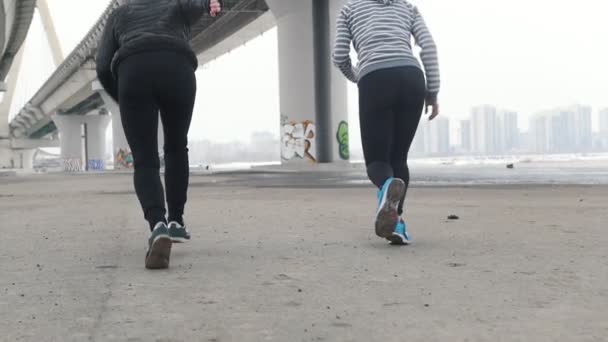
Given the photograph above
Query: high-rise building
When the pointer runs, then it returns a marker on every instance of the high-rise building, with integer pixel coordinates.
(559, 137)
(604, 122)
(538, 134)
(562, 130)
(582, 134)
(418, 148)
(603, 132)
(465, 135)
(437, 136)
(443, 132)
(484, 138)
(508, 131)
(549, 132)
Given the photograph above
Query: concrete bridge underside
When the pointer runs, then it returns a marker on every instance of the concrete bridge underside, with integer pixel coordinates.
(314, 124)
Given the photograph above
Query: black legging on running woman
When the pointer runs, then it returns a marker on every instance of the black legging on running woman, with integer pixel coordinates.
(150, 83)
(145, 62)
(390, 107)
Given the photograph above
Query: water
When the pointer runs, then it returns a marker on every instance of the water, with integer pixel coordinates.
(585, 169)
(532, 169)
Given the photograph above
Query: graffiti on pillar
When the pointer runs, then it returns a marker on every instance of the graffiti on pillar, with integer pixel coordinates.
(72, 165)
(123, 159)
(343, 143)
(298, 140)
(96, 165)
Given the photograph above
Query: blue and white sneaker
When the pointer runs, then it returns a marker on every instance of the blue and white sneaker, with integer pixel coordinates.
(387, 215)
(400, 236)
(159, 248)
(178, 233)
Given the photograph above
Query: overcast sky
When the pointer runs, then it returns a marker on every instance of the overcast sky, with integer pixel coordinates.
(524, 55)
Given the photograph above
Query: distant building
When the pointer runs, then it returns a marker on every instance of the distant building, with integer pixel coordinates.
(484, 139)
(465, 135)
(508, 132)
(538, 134)
(604, 121)
(563, 130)
(437, 136)
(432, 138)
(603, 131)
(417, 148)
(582, 134)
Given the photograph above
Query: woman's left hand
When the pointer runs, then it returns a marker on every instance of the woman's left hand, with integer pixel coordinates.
(214, 8)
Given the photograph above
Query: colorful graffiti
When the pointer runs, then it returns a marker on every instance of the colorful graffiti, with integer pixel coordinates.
(96, 165)
(72, 165)
(298, 140)
(343, 143)
(123, 160)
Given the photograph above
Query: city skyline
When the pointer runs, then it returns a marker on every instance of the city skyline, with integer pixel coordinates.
(493, 131)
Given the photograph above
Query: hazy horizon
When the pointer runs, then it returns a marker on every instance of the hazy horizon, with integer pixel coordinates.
(525, 56)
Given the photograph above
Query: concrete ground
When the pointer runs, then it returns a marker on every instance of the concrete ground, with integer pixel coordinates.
(292, 257)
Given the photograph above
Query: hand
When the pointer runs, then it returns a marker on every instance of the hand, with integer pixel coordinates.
(214, 8)
(434, 111)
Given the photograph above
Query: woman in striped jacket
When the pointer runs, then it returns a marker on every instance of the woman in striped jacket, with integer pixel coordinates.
(392, 94)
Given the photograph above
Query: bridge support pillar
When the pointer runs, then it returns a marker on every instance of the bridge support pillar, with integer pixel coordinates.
(96, 126)
(70, 137)
(313, 94)
(24, 158)
(123, 159)
(6, 154)
(82, 141)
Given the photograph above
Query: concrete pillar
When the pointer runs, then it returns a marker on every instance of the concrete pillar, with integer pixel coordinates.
(313, 103)
(6, 155)
(338, 94)
(24, 159)
(96, 141)
(70, 135)
(123, 158)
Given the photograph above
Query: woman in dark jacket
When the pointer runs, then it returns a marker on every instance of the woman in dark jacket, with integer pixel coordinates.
(145, 62)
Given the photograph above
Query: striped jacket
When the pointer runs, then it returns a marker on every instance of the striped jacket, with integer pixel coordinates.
(381, 32)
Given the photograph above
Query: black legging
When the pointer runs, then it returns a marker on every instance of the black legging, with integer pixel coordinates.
(390, 106)
(150, 83)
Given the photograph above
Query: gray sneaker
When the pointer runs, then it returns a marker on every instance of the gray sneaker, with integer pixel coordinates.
(159, 248)
(178, 233)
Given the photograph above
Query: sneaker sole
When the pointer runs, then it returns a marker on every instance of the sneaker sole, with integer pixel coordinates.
(398, 240)
(387, 216)
(159, 254)
(179, 240)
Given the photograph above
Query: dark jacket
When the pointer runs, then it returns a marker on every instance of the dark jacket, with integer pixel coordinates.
(146, 25)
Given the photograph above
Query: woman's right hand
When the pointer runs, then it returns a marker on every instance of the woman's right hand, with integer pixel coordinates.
(434, 110)
(214, 8)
